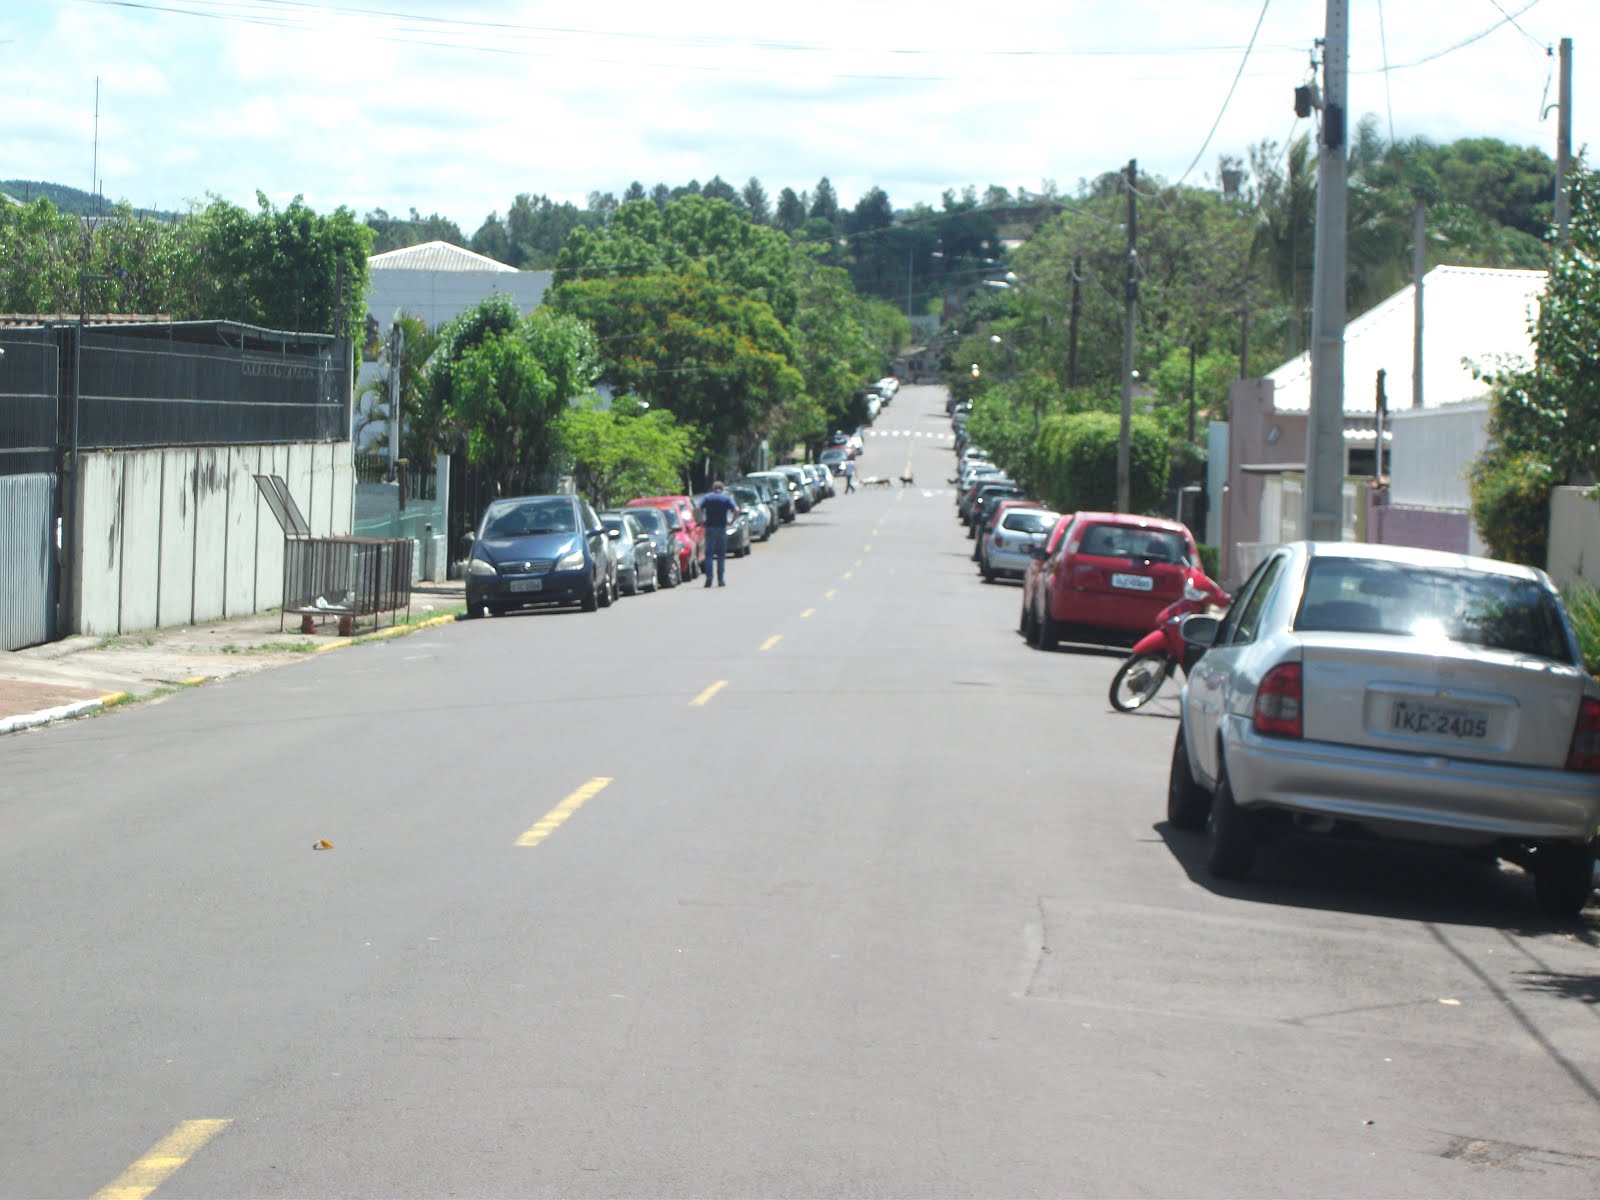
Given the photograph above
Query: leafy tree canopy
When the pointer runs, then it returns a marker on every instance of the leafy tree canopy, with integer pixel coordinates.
(623, 449)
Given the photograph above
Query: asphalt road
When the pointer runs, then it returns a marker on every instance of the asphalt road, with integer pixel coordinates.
(826, 886)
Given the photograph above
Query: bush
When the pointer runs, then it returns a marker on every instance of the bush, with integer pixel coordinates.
(1511, 505)
(1583, 603)
(1077, 460)
(1210, 560)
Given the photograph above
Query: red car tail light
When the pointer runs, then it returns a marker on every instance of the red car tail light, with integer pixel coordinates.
(1277, 710)
(1585, 752)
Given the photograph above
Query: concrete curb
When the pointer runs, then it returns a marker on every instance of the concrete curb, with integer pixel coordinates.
(46, 716)
(84, 708)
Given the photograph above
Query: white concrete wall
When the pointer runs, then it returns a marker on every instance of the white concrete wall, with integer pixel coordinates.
(1574, 551)
(182, 536)
(1431, 453)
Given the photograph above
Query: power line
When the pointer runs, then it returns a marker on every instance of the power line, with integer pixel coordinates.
(1226, 100)
(1509, 18)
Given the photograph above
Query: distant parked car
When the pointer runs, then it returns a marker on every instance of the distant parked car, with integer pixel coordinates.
(685, 523)
(534, 550)
(787, 491)
(1109, 576)
(1008, 543)
(759, 513)
(834, 458)
(635, 552)
(666, 541)
(1402, 693)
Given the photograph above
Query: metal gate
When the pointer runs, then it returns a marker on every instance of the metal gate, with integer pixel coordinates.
(29, 414)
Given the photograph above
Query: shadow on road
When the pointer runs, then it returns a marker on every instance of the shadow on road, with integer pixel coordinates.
(1380, 879)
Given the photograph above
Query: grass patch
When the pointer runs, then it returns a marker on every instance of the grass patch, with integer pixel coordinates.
(306, 647)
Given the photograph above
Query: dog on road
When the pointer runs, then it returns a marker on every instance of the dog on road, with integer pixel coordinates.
(878, 481)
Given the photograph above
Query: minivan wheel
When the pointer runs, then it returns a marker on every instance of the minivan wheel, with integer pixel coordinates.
(1563, 877)
(1231, 845)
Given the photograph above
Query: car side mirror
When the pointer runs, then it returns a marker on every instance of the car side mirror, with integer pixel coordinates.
(468, 540)
(1199, 630)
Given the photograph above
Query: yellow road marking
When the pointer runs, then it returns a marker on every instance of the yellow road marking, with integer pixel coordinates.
(700, 700)
(830, 593)
(161, 1160)
(769, 644)
(846, 575)
(552, 820)
(867, 549)
(858, 562)
(807, 613)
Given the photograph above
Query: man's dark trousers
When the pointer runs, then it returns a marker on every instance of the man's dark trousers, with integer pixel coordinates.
(716, 551)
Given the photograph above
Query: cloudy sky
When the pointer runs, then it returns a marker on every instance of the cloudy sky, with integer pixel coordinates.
(456, 107)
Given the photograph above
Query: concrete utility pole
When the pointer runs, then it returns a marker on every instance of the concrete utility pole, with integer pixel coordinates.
(1132, 303)
(1563, 212)
(397, 341)
(1419, 232)
(1325, 451)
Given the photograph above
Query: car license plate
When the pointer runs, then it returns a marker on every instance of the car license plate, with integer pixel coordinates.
(527, 585)
(1464, 724)
(1133, 583)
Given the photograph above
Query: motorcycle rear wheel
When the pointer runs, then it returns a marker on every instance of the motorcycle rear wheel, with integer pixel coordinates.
(1138, 680)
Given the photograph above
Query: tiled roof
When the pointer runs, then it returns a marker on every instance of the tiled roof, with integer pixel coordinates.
(435, 256)
(1476, 314)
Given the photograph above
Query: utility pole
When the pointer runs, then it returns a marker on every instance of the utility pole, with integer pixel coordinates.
(1325, 451)
(1563, 212)
(910, 263)
(1132, 302)
(1419, 231)
(1072, 324)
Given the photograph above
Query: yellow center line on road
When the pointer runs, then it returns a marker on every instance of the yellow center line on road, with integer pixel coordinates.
(700, 700)
(830, 593)
(807, 613)
(552, 820)
(161, 1160)
(858, 562)
(846, 575)
(867, 549)
(768, 644)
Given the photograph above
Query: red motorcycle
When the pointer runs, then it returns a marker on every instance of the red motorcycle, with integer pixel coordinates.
(1160, 652)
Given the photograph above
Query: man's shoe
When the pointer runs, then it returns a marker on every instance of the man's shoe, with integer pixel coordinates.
(708, 581)
(722, 583)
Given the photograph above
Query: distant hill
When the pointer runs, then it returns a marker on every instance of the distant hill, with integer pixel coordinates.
(70, 199)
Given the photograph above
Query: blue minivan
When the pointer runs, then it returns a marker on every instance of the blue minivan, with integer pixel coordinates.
(534, 550)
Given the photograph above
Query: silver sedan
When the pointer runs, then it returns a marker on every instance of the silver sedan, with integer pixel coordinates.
(1409, 694)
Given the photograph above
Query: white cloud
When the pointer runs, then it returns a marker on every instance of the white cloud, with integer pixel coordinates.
(457, 110)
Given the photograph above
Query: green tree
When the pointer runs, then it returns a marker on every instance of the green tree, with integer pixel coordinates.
(1078, 462)
(1549, 411)
(395, 233)
(791, 211)
(623, 449)
(756, 202)
(498, 385)
(417, 344)
(707, 351)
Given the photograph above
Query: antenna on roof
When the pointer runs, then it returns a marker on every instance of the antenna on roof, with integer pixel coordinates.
(94, 163)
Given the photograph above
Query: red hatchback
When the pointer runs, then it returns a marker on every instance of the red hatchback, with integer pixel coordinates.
(691, 538)
(1105, 573)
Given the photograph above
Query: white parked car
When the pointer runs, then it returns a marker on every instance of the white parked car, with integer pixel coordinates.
(1409, 694)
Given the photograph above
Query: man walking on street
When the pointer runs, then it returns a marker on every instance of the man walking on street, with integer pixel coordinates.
(717, 511)
(849, 475)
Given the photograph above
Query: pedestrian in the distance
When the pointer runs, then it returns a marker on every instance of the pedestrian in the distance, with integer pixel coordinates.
(717, 511)
(849, 475)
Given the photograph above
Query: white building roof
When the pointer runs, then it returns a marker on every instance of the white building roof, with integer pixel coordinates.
(1470, 315)
(435, 256)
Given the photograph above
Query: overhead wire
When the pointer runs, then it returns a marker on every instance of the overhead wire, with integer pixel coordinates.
(1228, 99)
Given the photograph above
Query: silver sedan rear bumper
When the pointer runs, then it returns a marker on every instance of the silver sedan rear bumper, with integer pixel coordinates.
(1429, 798)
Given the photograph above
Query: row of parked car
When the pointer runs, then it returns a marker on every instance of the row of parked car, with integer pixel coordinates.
(533, 551)
(1350, 689)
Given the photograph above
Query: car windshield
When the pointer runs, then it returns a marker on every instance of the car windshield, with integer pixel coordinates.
(1479, 608)
(650, 519)
(745, 495)
(528, 518)
(1028, 521)
(1123, 541)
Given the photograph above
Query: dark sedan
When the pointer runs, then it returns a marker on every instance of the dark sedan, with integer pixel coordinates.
(539, 550)
(669, 569)
(635, 552)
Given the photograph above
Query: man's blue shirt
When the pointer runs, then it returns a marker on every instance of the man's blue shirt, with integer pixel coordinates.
(719, 509)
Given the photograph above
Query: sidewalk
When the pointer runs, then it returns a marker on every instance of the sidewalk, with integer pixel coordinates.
(84, 674)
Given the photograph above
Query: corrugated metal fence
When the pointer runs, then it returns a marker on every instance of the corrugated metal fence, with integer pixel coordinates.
(27, 560)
